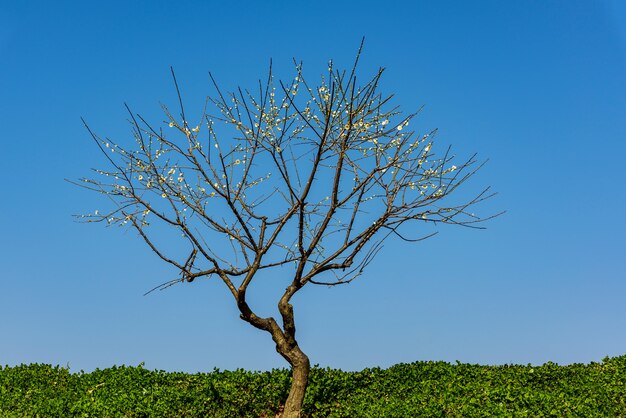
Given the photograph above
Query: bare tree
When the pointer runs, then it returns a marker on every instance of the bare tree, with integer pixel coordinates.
(311, 177)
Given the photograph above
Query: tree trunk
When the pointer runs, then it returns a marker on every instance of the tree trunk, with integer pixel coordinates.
(286, 346)
(300, 367)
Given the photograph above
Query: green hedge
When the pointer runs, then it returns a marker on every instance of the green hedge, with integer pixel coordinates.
(428, 389)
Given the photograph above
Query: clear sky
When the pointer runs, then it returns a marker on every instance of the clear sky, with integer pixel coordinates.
(538, 87)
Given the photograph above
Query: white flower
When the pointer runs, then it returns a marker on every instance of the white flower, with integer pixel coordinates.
(385, 122)
(399, 127)
(163, 195)
(171, 124)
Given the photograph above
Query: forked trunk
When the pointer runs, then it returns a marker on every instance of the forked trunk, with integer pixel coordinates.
(286, 346)
(300, 367)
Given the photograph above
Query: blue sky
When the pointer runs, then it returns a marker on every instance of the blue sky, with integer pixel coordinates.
(538, 87)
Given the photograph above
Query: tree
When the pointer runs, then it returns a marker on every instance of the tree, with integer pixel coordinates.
(308, 178)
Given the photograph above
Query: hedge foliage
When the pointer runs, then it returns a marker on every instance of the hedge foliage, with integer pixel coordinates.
(422, 389)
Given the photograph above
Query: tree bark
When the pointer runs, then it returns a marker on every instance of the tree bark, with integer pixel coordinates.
(286, 346)
(300, 368)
